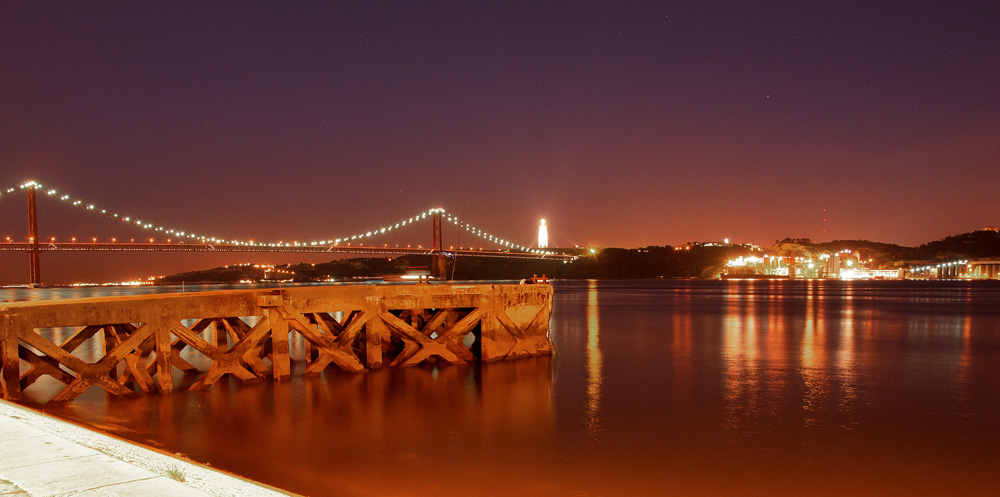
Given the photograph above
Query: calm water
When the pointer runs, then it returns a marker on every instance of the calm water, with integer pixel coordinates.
(658, 387)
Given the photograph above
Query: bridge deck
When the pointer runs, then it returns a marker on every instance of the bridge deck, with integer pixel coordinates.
(283, 248)
(134, 343)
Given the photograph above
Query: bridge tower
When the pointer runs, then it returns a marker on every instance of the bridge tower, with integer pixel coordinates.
(439, 262)
(34, 274)
(436, 242)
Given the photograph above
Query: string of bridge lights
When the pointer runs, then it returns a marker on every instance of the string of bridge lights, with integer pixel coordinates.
(492, 238)
(944, 265)
(186, 235)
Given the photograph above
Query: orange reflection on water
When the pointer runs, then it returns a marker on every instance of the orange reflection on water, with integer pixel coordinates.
(743, 384)
(772, 357)
(774, 337)
(684, 366)
(595, 374)
(845, 365)
(386, 432)
(964, 376)
(813, 360)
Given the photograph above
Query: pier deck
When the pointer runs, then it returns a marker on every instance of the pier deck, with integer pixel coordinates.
(140, 340)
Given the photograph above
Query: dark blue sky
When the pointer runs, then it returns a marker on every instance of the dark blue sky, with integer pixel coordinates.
(622, 123)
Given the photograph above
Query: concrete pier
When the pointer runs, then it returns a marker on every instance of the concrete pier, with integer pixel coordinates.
(45, 456)
(141, 340)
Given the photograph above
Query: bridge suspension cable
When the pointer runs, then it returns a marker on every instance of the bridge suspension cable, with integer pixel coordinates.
(362, 236)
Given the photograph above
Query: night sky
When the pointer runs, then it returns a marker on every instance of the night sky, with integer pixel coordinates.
(622, 123)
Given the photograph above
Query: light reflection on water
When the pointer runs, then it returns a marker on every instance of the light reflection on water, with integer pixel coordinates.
(684, 387)
(594, 372)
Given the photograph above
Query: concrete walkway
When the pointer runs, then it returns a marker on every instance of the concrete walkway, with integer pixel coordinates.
(44, 456)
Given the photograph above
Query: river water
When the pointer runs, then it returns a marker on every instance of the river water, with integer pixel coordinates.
(658, 387)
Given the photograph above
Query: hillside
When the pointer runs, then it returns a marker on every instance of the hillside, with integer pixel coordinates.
(974, 245)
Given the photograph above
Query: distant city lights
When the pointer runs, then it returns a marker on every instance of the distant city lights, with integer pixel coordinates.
(848, 265)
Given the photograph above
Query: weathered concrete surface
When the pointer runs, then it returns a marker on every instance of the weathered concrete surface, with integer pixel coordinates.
(245, 333)
(44, 456)
(8, 488)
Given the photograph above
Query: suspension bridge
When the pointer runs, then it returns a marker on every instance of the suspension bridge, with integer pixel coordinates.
(145, 236)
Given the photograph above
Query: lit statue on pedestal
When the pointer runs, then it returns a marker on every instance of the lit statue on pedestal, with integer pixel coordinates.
(543, 235)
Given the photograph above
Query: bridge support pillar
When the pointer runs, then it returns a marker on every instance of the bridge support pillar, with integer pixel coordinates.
(439, 267)
(34, 271)
(436, 240)
(439, 263)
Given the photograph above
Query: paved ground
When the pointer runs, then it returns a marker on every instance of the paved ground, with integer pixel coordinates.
(44, 456)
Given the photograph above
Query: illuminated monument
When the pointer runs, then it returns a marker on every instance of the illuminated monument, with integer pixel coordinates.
(543, 235)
